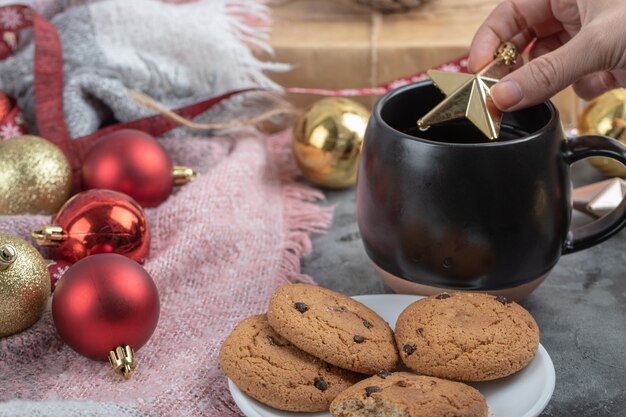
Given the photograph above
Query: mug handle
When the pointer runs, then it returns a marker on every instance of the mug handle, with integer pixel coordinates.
(599, 230)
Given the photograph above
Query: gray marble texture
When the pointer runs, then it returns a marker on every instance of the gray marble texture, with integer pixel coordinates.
(580, 309)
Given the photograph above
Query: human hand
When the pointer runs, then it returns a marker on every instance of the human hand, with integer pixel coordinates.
(580, 42)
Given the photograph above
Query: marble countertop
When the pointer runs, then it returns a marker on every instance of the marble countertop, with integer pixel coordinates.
(580, 309)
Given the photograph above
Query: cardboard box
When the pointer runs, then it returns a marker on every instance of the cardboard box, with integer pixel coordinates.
(337, 44)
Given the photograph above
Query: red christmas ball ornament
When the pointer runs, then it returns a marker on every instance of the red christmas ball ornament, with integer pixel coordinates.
(5, 105)
(57, 268)
(94, 222)
(106, 307)
(134, 163)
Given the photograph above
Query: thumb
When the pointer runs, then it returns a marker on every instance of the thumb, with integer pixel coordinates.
(546, 75)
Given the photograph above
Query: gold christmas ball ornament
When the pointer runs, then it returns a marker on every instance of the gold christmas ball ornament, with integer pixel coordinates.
(35, 177)
(24, 285)
(606, 115)
(328, 139)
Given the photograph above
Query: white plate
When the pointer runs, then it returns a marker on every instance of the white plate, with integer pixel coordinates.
(524, 394)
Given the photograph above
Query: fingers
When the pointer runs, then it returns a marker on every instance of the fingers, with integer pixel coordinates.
(593, 85)
(548, 44)
(509, 19)
(545, 76)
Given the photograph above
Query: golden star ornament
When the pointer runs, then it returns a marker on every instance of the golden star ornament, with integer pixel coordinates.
(468, 95)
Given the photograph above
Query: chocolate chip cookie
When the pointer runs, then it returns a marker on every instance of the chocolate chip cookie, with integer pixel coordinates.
(466, 336)
(271, 370)
(403, 394)
(333, 327)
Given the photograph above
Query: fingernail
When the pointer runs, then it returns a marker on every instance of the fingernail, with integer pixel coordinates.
(506, 94)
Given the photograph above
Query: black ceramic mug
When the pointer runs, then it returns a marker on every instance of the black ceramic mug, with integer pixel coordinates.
(447, 209)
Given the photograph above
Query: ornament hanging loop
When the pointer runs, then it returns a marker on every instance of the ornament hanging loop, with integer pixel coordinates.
(49, 235)
(183, 175)
(123, 361)
(8, 255)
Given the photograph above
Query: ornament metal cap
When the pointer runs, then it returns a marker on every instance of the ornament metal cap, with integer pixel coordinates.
(123, 361)
(507, 52)
(49, 235)
(8, 255)
(183, 175)
(469, 95)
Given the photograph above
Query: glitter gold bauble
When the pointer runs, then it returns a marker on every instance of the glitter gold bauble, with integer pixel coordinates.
(606, 115)
(328, 139)
(35, 177)
(24, 285)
